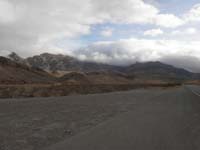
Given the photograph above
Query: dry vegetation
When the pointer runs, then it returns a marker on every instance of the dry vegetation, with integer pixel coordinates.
(194, 82)
(38, 90)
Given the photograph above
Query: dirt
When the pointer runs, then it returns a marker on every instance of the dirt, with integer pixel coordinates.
(66, 89)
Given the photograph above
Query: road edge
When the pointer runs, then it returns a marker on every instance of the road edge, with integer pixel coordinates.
(192, 91)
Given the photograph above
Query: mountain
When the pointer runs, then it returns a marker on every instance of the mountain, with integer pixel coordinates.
(158, 70)
(60, 65)
(50, 62)
(98, 77)
(16, 58)
(16, 73)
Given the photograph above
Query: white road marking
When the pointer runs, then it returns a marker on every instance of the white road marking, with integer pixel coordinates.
(194, 92)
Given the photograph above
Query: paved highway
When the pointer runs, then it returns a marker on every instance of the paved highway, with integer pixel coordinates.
(169, 121)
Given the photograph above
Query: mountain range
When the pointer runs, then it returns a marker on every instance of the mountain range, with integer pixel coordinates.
(49, 68)
(61, 65)
(51, 62)
(59, 75)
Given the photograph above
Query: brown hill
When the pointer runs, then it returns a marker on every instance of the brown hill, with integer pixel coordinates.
(97, 78)
(108, 77)
(160, 71)
(15, 73)
(75, 78)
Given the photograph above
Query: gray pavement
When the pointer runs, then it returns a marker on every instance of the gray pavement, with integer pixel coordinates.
(169, 121)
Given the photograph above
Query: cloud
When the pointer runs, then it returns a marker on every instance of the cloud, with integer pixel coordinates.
(107, 32)
(185, 32)
(131, 11)
(135, 11)
(4, 53)
(7, 12)
(34, 29)
(193, 15)
(191, 31)
(128, 51)
(153, 32)
(31, 27)
(168, 21)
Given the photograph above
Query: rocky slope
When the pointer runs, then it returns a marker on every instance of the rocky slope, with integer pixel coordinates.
(16, 73)
(52, 62)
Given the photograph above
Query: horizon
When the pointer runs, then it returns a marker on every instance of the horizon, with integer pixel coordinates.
(92, 61)
(114, 32)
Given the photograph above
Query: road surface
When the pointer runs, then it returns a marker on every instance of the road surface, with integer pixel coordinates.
(169, 121)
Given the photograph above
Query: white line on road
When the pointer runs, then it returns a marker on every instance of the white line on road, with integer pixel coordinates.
(193, 91)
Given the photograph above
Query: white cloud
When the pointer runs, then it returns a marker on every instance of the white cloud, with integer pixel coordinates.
(4, 53)
(184, 32)
(35, 29)
(191, 31)
(135, 11)
(130, 11)
(153, 32)
(7, 12)
(107, 32)
(129, 51)
(193, 14)
(176, 32)
(29, 27)
(168, 20)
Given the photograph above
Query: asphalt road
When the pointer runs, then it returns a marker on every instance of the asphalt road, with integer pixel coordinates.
(35, 123)
(169, 121)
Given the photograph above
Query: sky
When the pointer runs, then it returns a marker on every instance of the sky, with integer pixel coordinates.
(108, 31)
